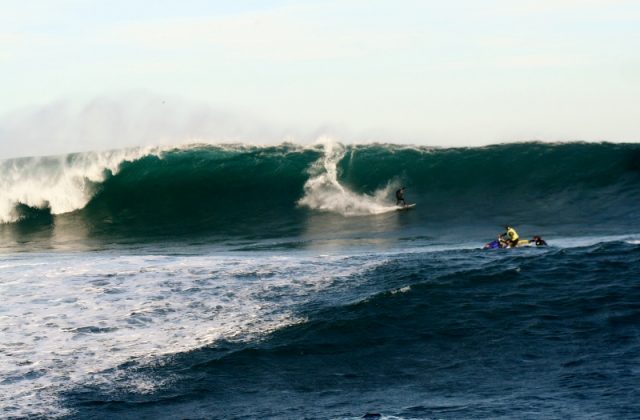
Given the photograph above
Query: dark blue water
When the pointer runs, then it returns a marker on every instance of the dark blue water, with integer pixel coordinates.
(453, 334)
(285, 311)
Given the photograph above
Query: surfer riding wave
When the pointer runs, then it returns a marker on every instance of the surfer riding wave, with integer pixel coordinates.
(400, 197)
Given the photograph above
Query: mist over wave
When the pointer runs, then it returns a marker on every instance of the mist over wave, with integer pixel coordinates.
(129, 120)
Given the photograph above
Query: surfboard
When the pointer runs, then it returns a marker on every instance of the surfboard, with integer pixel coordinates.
(406, 207)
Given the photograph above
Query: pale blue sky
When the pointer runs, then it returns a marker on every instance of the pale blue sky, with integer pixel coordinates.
(461, 72)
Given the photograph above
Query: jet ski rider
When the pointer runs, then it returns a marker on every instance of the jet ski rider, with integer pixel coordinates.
(511, 236)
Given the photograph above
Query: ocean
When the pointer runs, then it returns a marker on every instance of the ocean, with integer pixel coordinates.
(280, 282)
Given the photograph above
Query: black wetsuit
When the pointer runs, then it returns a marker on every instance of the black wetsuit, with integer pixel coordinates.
(400, 197)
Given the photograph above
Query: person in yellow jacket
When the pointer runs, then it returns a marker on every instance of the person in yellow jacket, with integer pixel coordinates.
(511, 236)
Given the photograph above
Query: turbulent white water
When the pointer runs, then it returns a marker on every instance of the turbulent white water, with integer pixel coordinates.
(60, 183)
(68, 320)
(324, 192)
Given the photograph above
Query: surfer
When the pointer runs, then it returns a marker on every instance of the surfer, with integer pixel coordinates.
(511, 236)
(538, 241)
(400, 197)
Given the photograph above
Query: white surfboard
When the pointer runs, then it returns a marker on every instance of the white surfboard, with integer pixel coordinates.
(406, 206)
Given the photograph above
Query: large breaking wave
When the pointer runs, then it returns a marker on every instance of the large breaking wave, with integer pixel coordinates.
(209, 185)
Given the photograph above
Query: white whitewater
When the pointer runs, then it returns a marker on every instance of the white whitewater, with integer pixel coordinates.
(70, 320)
(61, 183)
(324, 192)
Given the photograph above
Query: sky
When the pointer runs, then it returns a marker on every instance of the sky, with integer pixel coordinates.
(86, 75)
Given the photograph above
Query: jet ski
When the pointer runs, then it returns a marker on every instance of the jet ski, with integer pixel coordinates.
(536, 241)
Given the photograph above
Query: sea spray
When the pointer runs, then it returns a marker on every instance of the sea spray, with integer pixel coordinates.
(324, 192)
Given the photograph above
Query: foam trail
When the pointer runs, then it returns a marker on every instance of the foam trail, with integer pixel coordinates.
(59, 183)
(324, 192)
(72, 320)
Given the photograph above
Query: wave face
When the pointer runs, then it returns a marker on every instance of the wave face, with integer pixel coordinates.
(227, 188)
(523, 181)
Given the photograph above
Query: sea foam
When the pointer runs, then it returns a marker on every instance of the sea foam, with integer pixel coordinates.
(72, 320)
(61, 184)
(323, 191)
